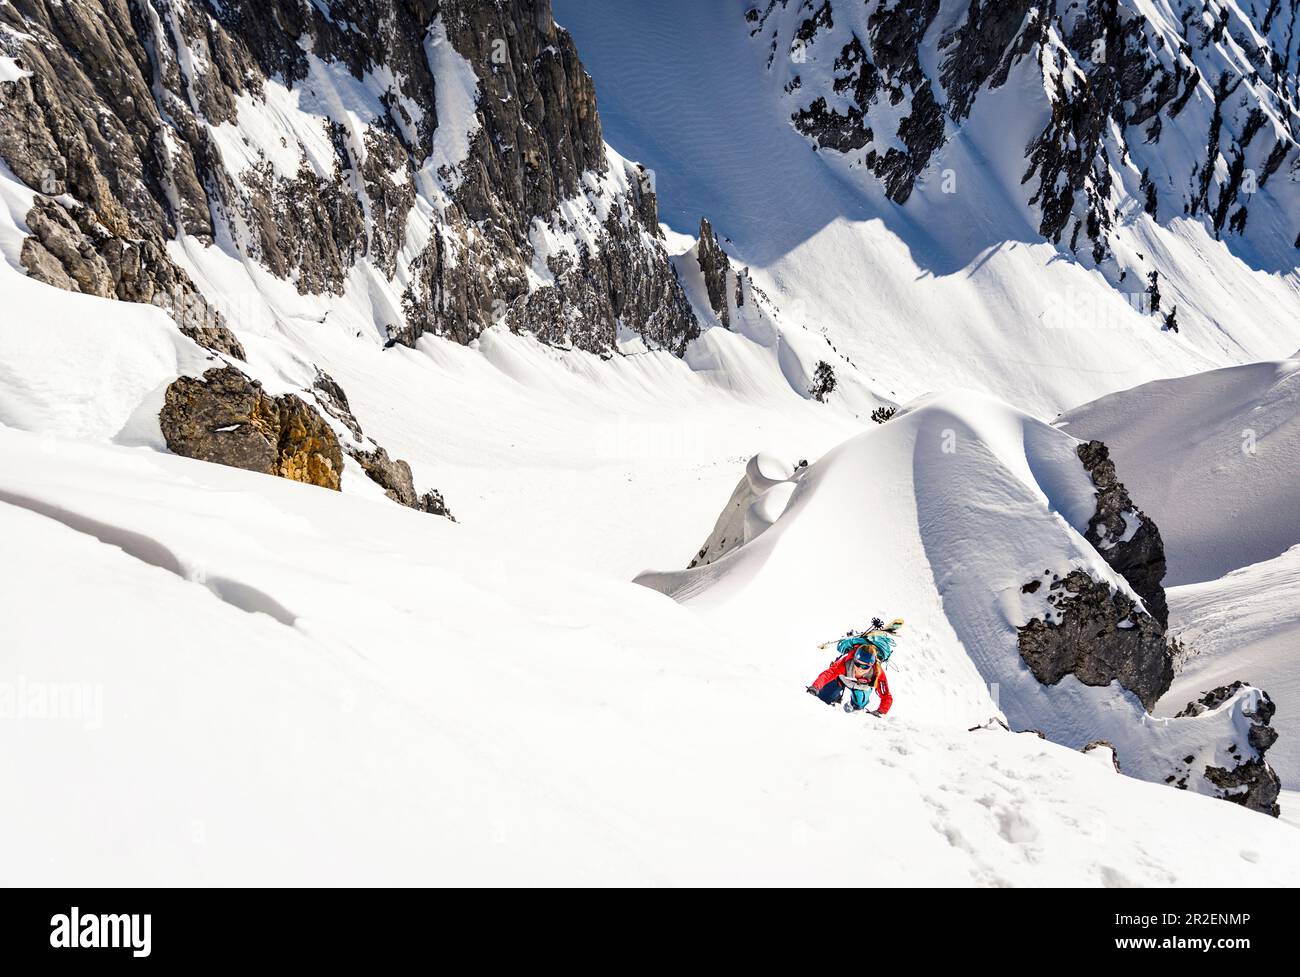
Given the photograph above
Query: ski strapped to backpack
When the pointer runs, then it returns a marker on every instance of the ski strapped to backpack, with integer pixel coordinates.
(878, 627)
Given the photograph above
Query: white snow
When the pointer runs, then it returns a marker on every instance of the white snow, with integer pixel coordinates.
(84, 367)
(239, 673)
(1246, 626)
(947, 510)
(1212, 458)
(9, 70)
(456, 94)
(951, 290)
(320, 673)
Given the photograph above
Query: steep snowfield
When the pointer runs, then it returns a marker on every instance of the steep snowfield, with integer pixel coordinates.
(550, 450)
(1245, 625)
(219, 677)
(942, 515)
(263, 682)
(1213, 458)
(950, 290)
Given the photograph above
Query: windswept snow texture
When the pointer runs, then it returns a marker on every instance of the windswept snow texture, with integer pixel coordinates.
(1245, 626)
(948, 289)
(1213, 458)
(942, 515)
(200, 741)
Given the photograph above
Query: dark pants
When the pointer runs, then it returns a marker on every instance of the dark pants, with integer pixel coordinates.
(832, 692)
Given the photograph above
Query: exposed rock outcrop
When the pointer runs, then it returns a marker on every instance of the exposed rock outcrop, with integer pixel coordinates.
(1108, 747)
(1126, 538)
(392, 475)
(395, 478)
(124, 124)
(714, 266)
(71, 249)
(1251, 783)
(1098, 635)
(227, 418)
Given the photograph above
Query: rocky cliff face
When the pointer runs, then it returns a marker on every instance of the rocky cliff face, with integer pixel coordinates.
(451, 150)
(1126, 538)
(1097, 633)
(714, 265)
(1184, 109)
(1093, 631)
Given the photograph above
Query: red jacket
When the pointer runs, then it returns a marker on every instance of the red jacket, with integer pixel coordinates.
(841, 665)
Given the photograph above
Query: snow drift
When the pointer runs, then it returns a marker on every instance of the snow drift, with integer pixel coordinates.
(969, 516)
(276, 672)
(1213, 457)
(1245, 625)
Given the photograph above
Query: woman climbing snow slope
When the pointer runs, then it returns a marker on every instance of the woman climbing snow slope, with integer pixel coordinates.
(859, 669)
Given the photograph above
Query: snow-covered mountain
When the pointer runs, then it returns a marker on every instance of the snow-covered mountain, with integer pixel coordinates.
(1172, 108)
(354, 149)
(964, 275)
(270, 268)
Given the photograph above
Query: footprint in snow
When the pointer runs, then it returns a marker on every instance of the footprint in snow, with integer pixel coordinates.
(1015, 827)
(1114, 879)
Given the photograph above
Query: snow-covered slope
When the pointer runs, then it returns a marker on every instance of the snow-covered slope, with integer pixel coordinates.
(240, 672)
(1078, 116)
(1213, 457)
(260, 672)
(949, 289)
(552, 450)
(1245, 625)
(967, 516)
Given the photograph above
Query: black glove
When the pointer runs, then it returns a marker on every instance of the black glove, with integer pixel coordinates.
(810, 690)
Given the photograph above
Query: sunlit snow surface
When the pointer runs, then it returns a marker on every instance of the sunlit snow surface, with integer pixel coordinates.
(950, 290)
(284, 684)
(297, 686)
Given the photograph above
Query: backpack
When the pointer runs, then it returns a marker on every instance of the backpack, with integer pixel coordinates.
(882, 642)
(884, 645)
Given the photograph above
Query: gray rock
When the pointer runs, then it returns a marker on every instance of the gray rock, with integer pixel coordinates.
(1139, 559)
(714, 266)
(116, 115)
(1252, 782)
(1099, 636)
(393, 475)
